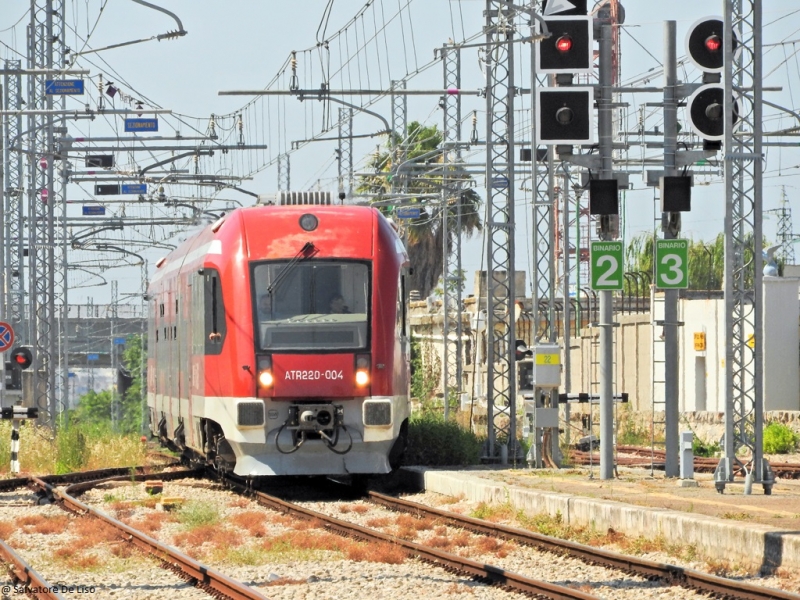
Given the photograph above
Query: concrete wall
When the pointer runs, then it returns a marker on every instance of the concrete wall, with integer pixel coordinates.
(781, 348)
(702, 372)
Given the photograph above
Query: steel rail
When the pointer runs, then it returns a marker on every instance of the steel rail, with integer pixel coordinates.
(672, 574)
(6, 485)
(200, 575)
(22, 573)
(484, 572)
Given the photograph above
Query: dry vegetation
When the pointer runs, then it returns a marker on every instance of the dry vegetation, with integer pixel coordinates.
(41, 454)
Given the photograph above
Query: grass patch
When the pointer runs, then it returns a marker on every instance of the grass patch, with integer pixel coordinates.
(197, 514)
(737, 516)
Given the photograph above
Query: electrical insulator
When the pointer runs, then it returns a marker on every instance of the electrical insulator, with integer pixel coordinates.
(240, 127)
(212, 128)
(293, 82)
(474, 136)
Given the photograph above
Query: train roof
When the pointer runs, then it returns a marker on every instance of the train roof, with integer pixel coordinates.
(265, 232)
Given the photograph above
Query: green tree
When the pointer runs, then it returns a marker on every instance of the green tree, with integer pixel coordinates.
(422, 146)
(133, 360)
(94, 408)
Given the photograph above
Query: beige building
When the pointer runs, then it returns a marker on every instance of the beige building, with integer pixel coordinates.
(638, 346)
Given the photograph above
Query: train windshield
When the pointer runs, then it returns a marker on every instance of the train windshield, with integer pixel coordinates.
(312, 305)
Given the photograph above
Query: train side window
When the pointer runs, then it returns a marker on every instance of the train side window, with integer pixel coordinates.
(214, 310)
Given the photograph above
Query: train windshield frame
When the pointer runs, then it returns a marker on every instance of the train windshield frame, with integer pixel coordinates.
(312, 305)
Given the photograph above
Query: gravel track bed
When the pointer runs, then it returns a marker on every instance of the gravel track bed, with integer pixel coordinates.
(75, 551)
(283, 557)
(510, 556)
(235, 542)
(783, 580)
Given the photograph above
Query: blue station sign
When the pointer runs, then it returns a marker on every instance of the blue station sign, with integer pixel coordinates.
(92, 357)
(91, 210)
(137, 125)
(134, 188)
(409, 212)
(63, 87)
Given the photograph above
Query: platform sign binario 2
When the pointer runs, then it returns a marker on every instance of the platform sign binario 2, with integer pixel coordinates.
(672, 264)
(606, 260)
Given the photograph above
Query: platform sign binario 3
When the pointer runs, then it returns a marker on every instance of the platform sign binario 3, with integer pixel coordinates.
(606, 260)
(672, 264)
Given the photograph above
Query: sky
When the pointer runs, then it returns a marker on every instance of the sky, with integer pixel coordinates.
(245, 45)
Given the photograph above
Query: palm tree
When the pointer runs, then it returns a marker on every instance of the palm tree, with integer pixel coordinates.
(423, 234)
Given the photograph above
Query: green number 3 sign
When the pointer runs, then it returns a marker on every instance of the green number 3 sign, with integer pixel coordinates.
(672, 264)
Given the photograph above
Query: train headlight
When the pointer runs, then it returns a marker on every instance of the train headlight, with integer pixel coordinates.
(265, 377)
(363, 363)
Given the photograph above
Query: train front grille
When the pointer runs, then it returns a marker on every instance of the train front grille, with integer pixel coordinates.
(250, 414)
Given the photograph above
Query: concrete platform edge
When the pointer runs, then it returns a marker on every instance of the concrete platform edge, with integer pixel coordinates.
(747, 544)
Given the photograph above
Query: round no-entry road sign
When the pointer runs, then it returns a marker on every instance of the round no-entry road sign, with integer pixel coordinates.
(6, 336)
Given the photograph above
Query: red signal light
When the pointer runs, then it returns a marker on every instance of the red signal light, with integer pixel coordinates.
(564, 44)
(713, 43)
(23, 357)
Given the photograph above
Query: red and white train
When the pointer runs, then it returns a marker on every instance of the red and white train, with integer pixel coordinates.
(278, 343)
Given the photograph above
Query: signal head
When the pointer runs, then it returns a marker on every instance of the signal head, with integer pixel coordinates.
(704, 44)
(564, 116)
(22, 357)
(706, 107)
(569, 47)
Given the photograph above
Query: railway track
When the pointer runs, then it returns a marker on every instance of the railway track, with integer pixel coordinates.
(702, 582)
(221, 586)
(23, 576)
(482, 572)
(635, 456)
(212, 581)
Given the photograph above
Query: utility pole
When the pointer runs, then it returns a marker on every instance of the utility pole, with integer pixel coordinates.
(45, 50)
(744, 393)
(13, 212)
(500, 144)
(608, 230)
(671, 226)
(451, 229)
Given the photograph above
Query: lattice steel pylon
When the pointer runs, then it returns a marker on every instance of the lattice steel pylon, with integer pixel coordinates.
(744, 400)
(500, 368)
(45, 47)
(13, 209)
(451, 229)
(284, 173)
(345, 152)
(397, 139)
(786, 236)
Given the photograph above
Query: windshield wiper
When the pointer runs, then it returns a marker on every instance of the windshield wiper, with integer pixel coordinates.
(307, 251)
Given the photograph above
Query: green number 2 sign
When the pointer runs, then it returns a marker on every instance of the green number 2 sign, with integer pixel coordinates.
(672, 264)
(606, 260)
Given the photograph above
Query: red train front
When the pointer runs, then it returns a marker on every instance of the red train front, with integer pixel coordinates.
(278, 343)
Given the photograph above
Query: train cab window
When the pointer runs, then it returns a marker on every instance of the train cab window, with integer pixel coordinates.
(213, 312)
(315, 304)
